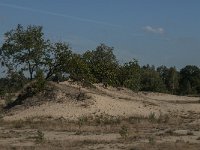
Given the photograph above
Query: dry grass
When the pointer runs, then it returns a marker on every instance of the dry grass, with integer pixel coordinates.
(102, 119)
(88, 133)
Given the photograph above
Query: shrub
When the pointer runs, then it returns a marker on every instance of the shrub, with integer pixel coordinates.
(8, 99)
(39, 137)
(152, 140)
(152, 117)
(40, 83)
(124, 132)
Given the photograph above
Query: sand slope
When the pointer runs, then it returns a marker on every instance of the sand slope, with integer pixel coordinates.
(111, 101)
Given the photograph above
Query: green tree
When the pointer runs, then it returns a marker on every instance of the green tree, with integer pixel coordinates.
(173, 80)
(23, 49)
(190, 80)
(103, 64)
(170, 77)
(57, 59)
(151, 80)
(130, 75)
(79, 69)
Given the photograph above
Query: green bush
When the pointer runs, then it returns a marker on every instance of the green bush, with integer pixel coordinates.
(40, 83)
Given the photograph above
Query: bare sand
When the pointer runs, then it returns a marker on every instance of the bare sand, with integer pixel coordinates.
(110, 101)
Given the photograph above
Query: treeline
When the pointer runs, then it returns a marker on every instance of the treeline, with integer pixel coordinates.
(26, 54)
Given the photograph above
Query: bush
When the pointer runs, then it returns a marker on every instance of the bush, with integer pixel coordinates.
(39, 137)
(8, 99)
(152, 117)
(124, 132)
(40, 83)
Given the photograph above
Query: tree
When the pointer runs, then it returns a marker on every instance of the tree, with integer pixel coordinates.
(151, 80)
(103, 64)
(163, 72)
(170, 77)
(57, 59)
(130, 75)
(23, 49)
(172, 80)
(190, 80)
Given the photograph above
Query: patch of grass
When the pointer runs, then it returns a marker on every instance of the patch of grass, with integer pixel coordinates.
(190, 133)
(107, 120)
(169, 131)
(135, 119)
(152, 140)
(18, 124)
(82, 96)
(40, 137)
(163, 118)
(82, 120)
(152, 117)
(123, 132)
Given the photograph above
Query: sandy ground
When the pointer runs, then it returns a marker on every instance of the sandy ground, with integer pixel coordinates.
(110, 101)
(150, 121)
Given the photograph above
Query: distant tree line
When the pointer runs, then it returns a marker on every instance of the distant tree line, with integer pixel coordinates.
(27, 54)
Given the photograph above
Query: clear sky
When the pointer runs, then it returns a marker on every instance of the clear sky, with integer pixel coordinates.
(157, 32)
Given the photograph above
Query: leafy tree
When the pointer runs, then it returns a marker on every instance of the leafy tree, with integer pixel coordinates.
(163, 72)
(190, 80)
(173, 80)
(170, 77)
(23, 49)
(130, 75)
(151, 80)
(79, 69)
(103, 64)
(58, 59)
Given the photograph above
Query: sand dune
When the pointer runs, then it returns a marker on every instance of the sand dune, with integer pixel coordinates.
(111, 101)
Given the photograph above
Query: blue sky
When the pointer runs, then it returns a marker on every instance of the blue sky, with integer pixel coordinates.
(158, 32)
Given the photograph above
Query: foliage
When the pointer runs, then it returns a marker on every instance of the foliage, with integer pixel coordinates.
(26, 53)
(8, 99)
(130, 75)
(102, 64)
(190, 80)
(12, 83)
(170, 77)
(58, 59)
(23, 49)
(79, 70)
(151, 81)
(40, 82)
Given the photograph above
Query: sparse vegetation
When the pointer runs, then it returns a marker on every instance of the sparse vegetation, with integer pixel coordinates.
(8, 99)
(124, 132)
(104, 119)
(152, 117)
(40, 137)
(18, 124)
(152, 140)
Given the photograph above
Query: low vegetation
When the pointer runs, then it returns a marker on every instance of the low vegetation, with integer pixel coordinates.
(47, 133)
